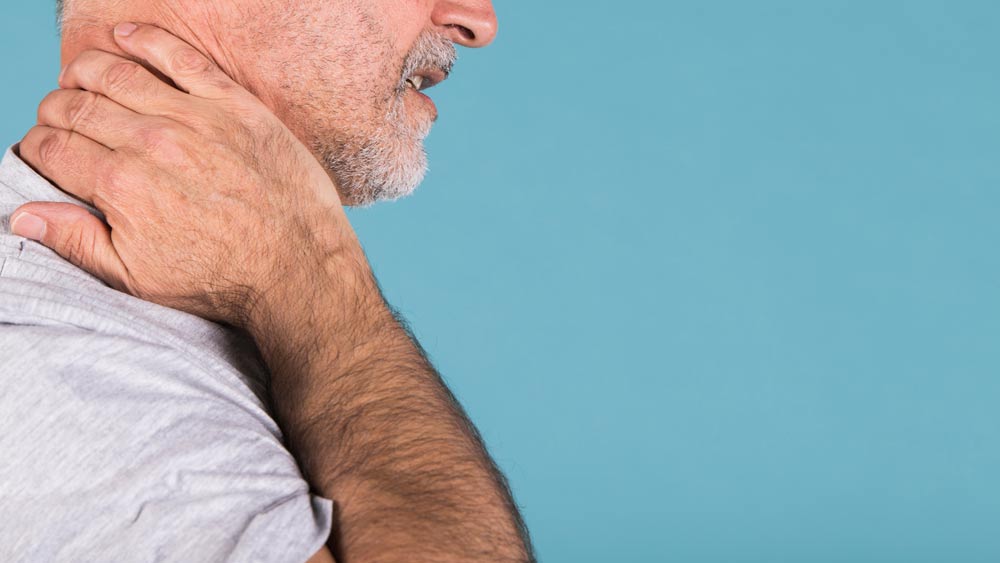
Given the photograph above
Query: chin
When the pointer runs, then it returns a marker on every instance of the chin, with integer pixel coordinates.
(377, 170)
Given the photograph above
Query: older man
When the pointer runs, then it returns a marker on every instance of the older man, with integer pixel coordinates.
(198, 362)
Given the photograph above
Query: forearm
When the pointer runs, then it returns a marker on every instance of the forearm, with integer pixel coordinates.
(376, 430)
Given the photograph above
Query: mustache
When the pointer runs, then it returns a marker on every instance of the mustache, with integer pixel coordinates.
(430, 51)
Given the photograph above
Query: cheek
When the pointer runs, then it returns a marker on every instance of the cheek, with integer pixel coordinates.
(402, 21)
(331, 71)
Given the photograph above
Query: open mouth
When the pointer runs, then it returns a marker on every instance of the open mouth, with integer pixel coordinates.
(426, 78)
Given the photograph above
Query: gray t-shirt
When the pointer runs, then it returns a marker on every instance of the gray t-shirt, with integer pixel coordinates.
(131, 431)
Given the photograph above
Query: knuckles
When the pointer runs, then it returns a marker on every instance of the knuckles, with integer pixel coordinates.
(68, 109)
(52, 145)
(120, 75)
(188, 61)
(80, 107)
(111, 179)
(165, 142)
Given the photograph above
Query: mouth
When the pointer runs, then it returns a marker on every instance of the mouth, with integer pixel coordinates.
(424, 79)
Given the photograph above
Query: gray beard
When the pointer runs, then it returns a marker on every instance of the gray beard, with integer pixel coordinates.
(386, 166)
(392, 162)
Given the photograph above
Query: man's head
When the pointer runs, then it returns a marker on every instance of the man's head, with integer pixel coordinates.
(339, 73)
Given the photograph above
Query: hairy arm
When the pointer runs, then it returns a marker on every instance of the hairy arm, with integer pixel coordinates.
(213, 207)
(375, 428)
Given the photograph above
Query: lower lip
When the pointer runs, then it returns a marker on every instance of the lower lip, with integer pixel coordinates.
(426, 100)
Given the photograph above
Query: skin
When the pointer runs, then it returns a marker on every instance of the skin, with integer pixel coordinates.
(329, 69)
(265, 246)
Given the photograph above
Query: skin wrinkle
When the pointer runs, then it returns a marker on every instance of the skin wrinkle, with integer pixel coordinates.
(332, 70)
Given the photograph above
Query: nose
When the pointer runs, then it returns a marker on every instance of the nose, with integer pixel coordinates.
(471, 23)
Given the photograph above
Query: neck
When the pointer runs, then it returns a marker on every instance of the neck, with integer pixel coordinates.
(90, 25)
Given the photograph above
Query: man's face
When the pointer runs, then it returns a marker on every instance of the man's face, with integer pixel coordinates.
(343, 75)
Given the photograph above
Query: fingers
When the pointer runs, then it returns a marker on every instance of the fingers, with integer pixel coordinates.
(192, 71)
(93, 116)
(68, 159)
(76, 235)
(124, 81)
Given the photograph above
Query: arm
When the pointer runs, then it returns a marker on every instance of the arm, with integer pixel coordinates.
(374, 427)
(322, 556)
(208, 179)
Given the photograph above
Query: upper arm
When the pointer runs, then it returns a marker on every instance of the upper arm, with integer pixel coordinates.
(115, 449)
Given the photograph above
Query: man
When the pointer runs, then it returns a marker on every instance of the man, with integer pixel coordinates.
(188, 318)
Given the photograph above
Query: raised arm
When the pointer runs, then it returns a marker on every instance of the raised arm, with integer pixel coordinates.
(209, 179)
(375, 428)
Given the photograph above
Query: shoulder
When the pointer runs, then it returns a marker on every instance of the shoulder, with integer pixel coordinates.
(127, 432)
(39, 288)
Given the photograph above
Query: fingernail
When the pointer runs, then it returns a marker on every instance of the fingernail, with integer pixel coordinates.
(125, 29)
(28, 226)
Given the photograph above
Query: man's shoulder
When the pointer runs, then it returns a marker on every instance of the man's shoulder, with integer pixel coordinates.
(131, 430)
(58, 319)
(124, 450)
(38, 287)
(120, 416)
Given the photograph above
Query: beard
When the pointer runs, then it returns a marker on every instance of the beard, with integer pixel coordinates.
(389, 162)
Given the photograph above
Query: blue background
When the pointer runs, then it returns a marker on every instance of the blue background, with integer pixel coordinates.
(718, 280)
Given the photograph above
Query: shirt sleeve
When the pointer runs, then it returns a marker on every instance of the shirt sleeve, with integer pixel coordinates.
(112, 449)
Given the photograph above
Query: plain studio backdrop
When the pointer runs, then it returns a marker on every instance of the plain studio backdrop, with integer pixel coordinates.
(718, 280)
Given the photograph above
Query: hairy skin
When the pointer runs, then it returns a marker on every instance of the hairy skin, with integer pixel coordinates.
(427, 467)
(264, 245)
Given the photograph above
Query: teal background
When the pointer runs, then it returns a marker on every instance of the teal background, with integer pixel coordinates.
(718, 280)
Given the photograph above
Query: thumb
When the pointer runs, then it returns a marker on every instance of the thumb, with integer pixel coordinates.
(76, 235)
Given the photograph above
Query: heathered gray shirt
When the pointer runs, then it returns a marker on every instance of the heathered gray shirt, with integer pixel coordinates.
(131, 431)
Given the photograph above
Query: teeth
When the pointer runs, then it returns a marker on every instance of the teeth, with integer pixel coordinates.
(416, 82)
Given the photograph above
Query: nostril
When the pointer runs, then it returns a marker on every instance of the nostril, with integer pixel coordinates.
(465, 32)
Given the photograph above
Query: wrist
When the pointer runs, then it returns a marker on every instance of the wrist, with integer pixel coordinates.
(316, 326)
(330, 293)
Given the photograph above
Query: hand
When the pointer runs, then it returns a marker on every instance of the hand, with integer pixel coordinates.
(209, 199)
